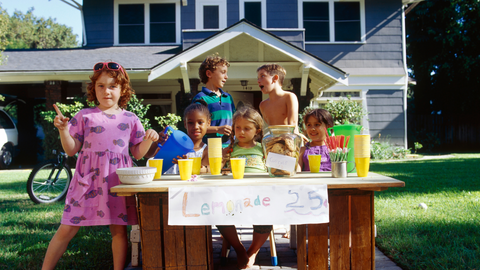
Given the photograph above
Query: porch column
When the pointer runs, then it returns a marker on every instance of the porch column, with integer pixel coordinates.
(182, 99)
(303, 101)
(55, 91)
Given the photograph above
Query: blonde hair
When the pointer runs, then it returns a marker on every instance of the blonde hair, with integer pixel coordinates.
(121, 78)
(210, 63)
(246, 112)
(274, 69)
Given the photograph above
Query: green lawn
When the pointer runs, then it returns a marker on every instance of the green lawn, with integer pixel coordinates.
(26, 230)
(445, 236)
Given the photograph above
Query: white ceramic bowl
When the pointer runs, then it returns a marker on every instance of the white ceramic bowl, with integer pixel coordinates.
(136, 175)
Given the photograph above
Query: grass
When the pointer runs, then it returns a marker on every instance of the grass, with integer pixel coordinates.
(446, 235)
(27, 229)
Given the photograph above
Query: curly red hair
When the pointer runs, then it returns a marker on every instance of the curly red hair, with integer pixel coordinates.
(121, 78)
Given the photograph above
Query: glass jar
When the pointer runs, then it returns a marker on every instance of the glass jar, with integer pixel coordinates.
(281, 140)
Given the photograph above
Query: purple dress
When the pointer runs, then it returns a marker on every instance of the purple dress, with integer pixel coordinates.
(105, 139)
(325, 165)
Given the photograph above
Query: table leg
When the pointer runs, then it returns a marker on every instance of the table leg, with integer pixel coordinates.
(363, 240)
(339, 231)
(302, 247)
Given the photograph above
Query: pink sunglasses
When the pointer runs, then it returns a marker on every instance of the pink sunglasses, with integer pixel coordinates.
(109, 65)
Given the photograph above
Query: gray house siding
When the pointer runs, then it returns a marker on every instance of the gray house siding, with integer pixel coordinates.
(386, 115)
(383, 46)
(282, 14)
(98, 22)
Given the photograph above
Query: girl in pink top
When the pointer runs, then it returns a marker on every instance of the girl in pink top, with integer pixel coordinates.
(102, 135)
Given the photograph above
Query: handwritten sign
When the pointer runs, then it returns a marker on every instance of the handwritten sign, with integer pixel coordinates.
(280, 162)
(247, 205)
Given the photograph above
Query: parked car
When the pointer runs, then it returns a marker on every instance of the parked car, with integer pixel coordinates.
(8, 139)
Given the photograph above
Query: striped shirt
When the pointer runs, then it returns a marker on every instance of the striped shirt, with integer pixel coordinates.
(221, 107)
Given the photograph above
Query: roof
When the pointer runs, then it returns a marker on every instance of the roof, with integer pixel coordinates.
(245, 45)
(80, 61)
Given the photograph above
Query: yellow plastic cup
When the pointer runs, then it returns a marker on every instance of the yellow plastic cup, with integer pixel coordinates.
(362, 146)
(185, 167)
(215, 165)
(197, 164)
(238, 167)
(314, 161)
(157, 163)
(363, 166)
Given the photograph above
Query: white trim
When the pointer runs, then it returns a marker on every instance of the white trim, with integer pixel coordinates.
(146, 5)
(404, 49)
(222, 16)
(331, 74)
(332, 21)
(263, 11)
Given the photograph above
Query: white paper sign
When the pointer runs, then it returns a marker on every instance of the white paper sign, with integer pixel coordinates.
(280, 162)
(248, 205)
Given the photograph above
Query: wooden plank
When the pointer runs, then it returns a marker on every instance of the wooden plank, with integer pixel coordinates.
(302, 247)
(362, 256)
(208, 235)
(339, 232)
(152, 248)
(195, 243)
(373, 180)
(173, 240)
(318, 246)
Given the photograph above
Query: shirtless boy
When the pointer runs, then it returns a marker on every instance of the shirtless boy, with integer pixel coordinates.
(281, 107)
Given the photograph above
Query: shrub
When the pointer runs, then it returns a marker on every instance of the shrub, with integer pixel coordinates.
(381, 149)
(346, 111)
(45, 119)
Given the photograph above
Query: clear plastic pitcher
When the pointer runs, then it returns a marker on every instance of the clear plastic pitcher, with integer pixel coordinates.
(177, 144)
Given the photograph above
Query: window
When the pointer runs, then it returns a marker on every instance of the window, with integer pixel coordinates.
(332, 20)
(211, 18)
(254, 11)
(210, 14)
(162, 23)
(148, 23)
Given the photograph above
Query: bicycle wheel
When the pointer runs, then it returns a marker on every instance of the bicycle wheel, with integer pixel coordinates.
(47, 184)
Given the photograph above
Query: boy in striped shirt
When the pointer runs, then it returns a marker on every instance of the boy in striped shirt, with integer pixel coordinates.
(213, 73)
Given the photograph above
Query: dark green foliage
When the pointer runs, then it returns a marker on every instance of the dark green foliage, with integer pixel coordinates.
(443, 53)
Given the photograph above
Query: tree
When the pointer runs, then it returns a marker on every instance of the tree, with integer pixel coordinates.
(3, 31)
(26, 31)
(443, 53)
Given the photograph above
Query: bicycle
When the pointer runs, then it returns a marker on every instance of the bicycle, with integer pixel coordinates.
(49, 181)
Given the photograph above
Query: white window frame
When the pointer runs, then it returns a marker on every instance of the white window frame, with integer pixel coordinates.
(222, 16)
(146, 5)
(263, 11)
(331, 13)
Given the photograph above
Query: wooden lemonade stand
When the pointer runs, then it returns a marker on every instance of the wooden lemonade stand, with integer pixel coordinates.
(348, 240)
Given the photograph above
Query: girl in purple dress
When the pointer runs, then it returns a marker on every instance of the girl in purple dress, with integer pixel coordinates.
(315, 122)
(102, 135)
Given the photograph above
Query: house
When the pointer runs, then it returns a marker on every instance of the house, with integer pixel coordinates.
(330, 49)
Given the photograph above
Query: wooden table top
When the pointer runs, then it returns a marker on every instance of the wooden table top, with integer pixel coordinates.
(373, 181)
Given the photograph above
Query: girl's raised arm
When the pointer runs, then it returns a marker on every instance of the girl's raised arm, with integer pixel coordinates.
(139, 150)
(70, 145)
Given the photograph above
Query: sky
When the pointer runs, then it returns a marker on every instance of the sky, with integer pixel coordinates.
(55, 9)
